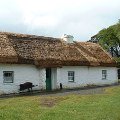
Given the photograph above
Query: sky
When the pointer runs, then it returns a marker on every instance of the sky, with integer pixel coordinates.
(53, 18)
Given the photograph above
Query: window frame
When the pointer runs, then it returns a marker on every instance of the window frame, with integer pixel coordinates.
(9, 77)
(104, 74)
(71, 76)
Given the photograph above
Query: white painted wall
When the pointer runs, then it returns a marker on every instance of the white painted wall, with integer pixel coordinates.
(22, 73)
(86, 76)
(42, 78)
(29, 73)
(54, 78)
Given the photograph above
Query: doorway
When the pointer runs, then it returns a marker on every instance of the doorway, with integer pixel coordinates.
(48, 79)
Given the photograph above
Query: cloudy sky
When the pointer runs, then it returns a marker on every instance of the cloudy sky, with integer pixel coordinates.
(80, 18)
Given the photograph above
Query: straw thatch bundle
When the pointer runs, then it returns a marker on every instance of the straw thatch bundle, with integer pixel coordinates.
(50, 52)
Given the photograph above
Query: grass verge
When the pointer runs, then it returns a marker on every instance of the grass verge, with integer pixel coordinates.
(104, 106)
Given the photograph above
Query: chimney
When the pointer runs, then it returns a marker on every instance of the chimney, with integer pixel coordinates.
(68, 38)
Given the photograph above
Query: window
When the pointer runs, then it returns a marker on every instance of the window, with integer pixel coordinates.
(104, 74)
(71, 76)
(8, 76)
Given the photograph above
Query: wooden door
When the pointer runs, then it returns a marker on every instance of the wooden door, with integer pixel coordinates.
(48, 79)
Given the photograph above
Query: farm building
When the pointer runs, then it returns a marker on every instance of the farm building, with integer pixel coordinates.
(48, 62)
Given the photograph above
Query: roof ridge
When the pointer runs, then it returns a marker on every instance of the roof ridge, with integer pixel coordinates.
(20, 35)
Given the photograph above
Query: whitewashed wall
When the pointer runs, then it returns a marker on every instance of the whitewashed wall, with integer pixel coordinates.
(29, 73)
(86, 76)
(22, 73)
(42, 78)
(54, 78)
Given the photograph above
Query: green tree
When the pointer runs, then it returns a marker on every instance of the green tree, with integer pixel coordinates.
(109, 39)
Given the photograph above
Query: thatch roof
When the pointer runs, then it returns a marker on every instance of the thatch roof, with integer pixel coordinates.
(50, 52)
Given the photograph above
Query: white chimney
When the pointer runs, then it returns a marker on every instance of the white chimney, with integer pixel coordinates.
(68, 38)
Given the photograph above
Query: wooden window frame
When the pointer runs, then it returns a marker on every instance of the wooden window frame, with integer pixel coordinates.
(104, 74)
(9, 75)
(71, 76)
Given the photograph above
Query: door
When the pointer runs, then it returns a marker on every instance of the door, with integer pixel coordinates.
(118, 73)
(48, 79)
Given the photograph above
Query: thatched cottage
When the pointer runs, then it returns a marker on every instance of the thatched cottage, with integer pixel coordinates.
(47, 62)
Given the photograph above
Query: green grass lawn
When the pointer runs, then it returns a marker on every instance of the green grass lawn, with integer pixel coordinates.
(104, 106)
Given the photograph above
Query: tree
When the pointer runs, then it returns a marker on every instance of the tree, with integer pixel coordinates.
(109, 39)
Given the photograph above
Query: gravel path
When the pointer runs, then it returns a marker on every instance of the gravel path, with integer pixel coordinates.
(86, 91)
(82, 92)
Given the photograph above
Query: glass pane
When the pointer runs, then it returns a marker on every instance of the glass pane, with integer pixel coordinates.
(71, 73)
